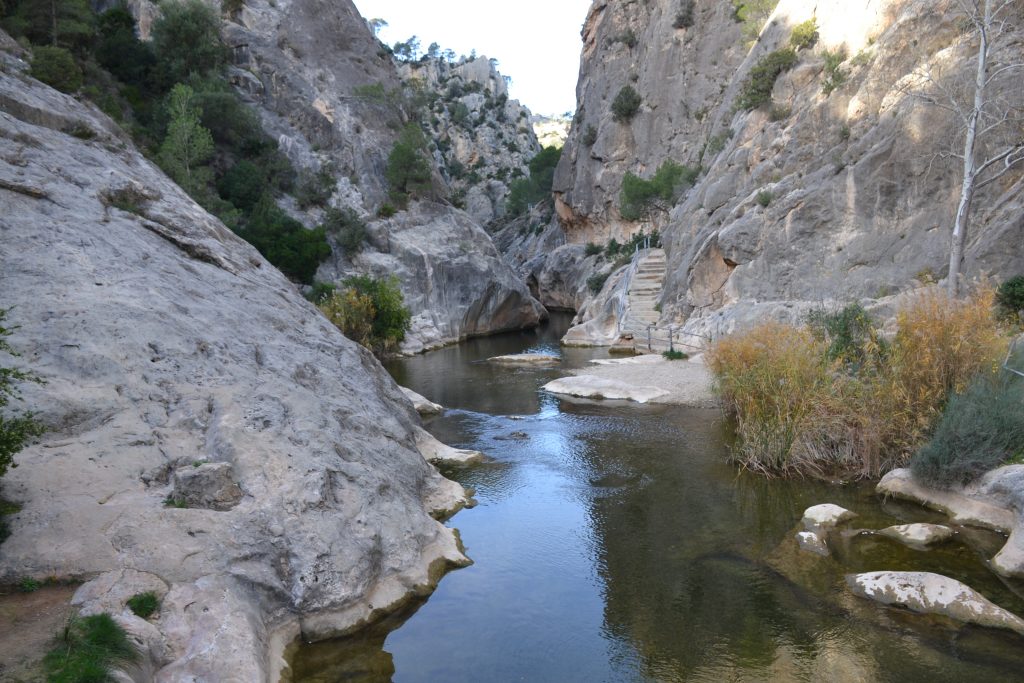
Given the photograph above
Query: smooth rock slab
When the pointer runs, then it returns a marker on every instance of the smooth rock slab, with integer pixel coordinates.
(423, 406)
(918, 536)
(930, 593)
(812, 543)
(823, 517)
(589, 386)
(436, 452)
(525, 359)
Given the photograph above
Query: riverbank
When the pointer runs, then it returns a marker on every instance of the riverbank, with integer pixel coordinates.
(645, 379)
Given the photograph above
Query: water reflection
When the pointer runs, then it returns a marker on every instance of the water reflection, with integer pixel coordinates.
(613, 542)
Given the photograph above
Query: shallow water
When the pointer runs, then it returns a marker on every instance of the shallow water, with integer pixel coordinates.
(614, 542)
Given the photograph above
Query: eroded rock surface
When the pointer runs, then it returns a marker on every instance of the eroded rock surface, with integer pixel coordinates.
(933, 594)
(423, 405)
(164, 341)
(590, 386)
(918, 536)
(825, 517)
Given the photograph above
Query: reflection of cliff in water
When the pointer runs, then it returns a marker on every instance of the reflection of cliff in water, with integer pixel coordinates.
(703, 578)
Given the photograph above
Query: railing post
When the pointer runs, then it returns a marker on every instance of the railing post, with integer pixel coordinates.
(649, 338)
(671, 333)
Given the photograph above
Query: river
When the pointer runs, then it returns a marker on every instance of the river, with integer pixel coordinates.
(614, 542)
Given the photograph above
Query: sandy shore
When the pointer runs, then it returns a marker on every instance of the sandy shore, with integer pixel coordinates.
(685, 382)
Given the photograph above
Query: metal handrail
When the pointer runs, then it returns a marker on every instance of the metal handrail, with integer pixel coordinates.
(1009, 354)
(623, 298)
(672, 331)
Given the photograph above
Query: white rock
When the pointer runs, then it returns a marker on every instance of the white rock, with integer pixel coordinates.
(933, 594)
(437, 452)
(918, 535)
(423, 406)
(525, 359)
(812, 543)
(824, 517)
(589, 386)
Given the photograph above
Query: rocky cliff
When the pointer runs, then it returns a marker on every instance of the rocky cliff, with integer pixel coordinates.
(211, 437)
(840, 188)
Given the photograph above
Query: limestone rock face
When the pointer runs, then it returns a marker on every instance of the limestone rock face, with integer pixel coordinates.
(818, 198)
(918, 536)
(933, 594)
(165, 340)
(451, 275)
(825, 517)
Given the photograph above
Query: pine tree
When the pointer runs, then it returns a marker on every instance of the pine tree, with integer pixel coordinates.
(188, 146)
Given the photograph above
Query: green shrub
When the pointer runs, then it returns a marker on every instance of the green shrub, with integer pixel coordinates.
(684, 16)
(243, 185)
(981, 429)
(596, 281)
(408, 170)
(283, 241)
(314, 189)
(764, 198)
(144, 604)
(55, 67)
(86, 650)
(61, 23)
(779, 112)
(386, 210)
(846, 331)
(1010, 296)
(525, 192)
(612, 249)
(119, 50)
(320, 291)
(804, 35)
(347, 227)
(589, 136)
(834, 76)
(757, 89)
(592, 249)
(28, 585)
(752, 14)
(370, 312)
(186, 41)
(674, 355)
(627, 38)
(231, 7)
(626, 104)
(16, 429)
(640, 197)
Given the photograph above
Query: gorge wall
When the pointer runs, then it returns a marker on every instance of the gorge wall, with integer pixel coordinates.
(210, 436)
(816, 198)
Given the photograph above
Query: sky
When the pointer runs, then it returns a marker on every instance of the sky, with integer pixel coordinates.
(536, 42)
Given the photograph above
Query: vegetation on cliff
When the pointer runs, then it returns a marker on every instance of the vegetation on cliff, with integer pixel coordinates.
(172, 95)
(16, 428)
(369, 311)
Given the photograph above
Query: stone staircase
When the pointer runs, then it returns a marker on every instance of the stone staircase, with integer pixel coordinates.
(644, 290)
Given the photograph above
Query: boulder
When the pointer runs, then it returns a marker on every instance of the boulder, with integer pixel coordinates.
(825, 517)
(422, 405)
(930, 593)
(526, 359)
(918, 536)
(441, 454)
(589, 386)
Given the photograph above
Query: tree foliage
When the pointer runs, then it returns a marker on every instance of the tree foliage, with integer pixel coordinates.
(16, 428)
(525, 192)
(58, 23)
(757, 89)
(626, 104)
(640, 197)
(187, 146)
(408, 170)
(55, 67)
(369, 311)
(186, 40)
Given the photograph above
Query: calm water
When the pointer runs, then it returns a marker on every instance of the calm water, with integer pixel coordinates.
(613, 542)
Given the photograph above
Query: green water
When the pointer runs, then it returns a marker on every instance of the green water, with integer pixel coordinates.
(613, 542)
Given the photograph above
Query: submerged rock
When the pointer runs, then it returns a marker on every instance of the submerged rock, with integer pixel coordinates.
(812, 543)
(589, 386)
(918, 536)
(930, 593)
(822, 518)
(525, 359)
(422, 405)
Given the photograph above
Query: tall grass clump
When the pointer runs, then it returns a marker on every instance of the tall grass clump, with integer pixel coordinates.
(87, 649)
(834, 397)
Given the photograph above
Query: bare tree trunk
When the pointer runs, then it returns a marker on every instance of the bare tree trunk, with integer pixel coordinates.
(53, 16)
(963, 210)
